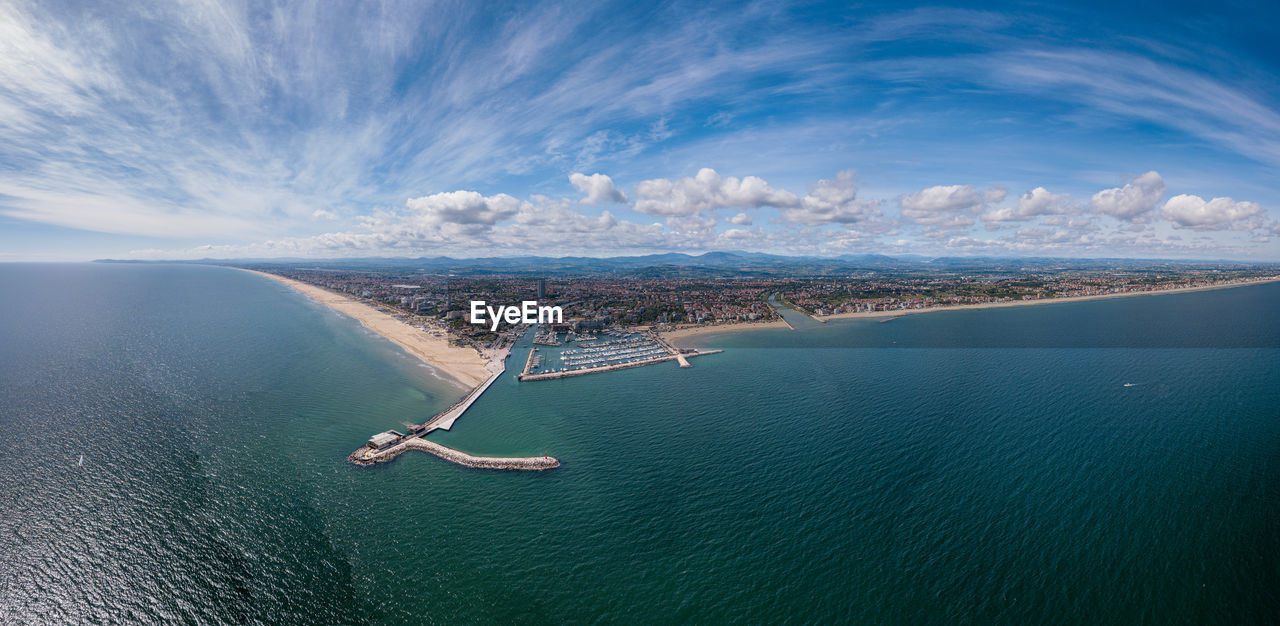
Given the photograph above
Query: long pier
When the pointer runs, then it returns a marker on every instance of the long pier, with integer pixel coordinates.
(447, 417)
(368, 454)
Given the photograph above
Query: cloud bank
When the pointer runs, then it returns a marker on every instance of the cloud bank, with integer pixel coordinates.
(830, 218)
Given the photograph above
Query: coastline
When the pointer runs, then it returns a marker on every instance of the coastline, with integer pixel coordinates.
(695, 331)
(463, 365)
(1016, 303)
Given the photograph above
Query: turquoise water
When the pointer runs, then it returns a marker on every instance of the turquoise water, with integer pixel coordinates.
(973, 466)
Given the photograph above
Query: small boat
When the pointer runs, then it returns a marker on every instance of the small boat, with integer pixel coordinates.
(81, 461)
(1128, 384)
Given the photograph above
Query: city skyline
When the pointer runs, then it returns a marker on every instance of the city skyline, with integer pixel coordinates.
(224, 131)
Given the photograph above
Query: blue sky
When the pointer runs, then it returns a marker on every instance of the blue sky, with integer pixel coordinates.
(331, 129)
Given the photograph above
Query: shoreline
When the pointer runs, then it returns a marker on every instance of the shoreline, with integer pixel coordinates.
(461, 365)
(1039, 301)
(696, 331)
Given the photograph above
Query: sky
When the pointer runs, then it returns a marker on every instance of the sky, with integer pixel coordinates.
(209, 129)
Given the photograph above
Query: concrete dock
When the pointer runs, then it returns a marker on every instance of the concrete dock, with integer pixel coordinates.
(528, 363)
(447, 417)
(680, 357)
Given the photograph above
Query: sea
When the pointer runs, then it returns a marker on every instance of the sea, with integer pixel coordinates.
(174, 440)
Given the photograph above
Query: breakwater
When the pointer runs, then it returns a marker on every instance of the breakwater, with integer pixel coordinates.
(447, 417)
(528, 363)
(390, 444)
(369, 456)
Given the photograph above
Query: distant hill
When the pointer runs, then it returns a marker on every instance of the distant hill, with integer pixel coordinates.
(717, 265)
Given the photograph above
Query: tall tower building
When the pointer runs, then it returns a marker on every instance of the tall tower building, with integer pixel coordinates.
(542, 289)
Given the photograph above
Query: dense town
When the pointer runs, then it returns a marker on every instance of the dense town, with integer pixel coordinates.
(440, 301)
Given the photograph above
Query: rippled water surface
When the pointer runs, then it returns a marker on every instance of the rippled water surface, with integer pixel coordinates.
(974, 466)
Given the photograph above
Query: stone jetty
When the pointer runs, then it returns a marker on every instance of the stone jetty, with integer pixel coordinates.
(391, 444)
(369, 456)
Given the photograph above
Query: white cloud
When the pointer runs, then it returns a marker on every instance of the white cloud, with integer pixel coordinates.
(599, 189)
(948, 206)
(1188, 211)
(468, 223)
(708, 190)
(943, 220)
(262, 124)
(463, 207)
(1133, 201)
(832, 202)
(289, 108)
(1034, 203)
(1079, 224)
(942, 198)
(720, 118)
(1208, 106)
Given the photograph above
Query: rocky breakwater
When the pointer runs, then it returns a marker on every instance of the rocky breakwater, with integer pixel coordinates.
(368, 456)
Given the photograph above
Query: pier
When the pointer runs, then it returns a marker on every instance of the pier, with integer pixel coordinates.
(447, 417)
(680, 356)
(388, 445)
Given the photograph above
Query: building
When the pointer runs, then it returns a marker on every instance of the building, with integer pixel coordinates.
(382, 441)
(542, 289)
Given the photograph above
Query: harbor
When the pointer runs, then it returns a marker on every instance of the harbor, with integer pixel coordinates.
(549, 357)
(387, 445)
(614, 350)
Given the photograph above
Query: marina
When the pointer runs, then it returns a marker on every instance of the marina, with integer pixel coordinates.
(614, 350)
(546, 337)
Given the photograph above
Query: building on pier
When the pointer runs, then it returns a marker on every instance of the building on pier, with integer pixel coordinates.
(382, 441)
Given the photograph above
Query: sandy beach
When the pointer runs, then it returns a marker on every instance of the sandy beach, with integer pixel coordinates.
(464, 365)
(693, 331)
